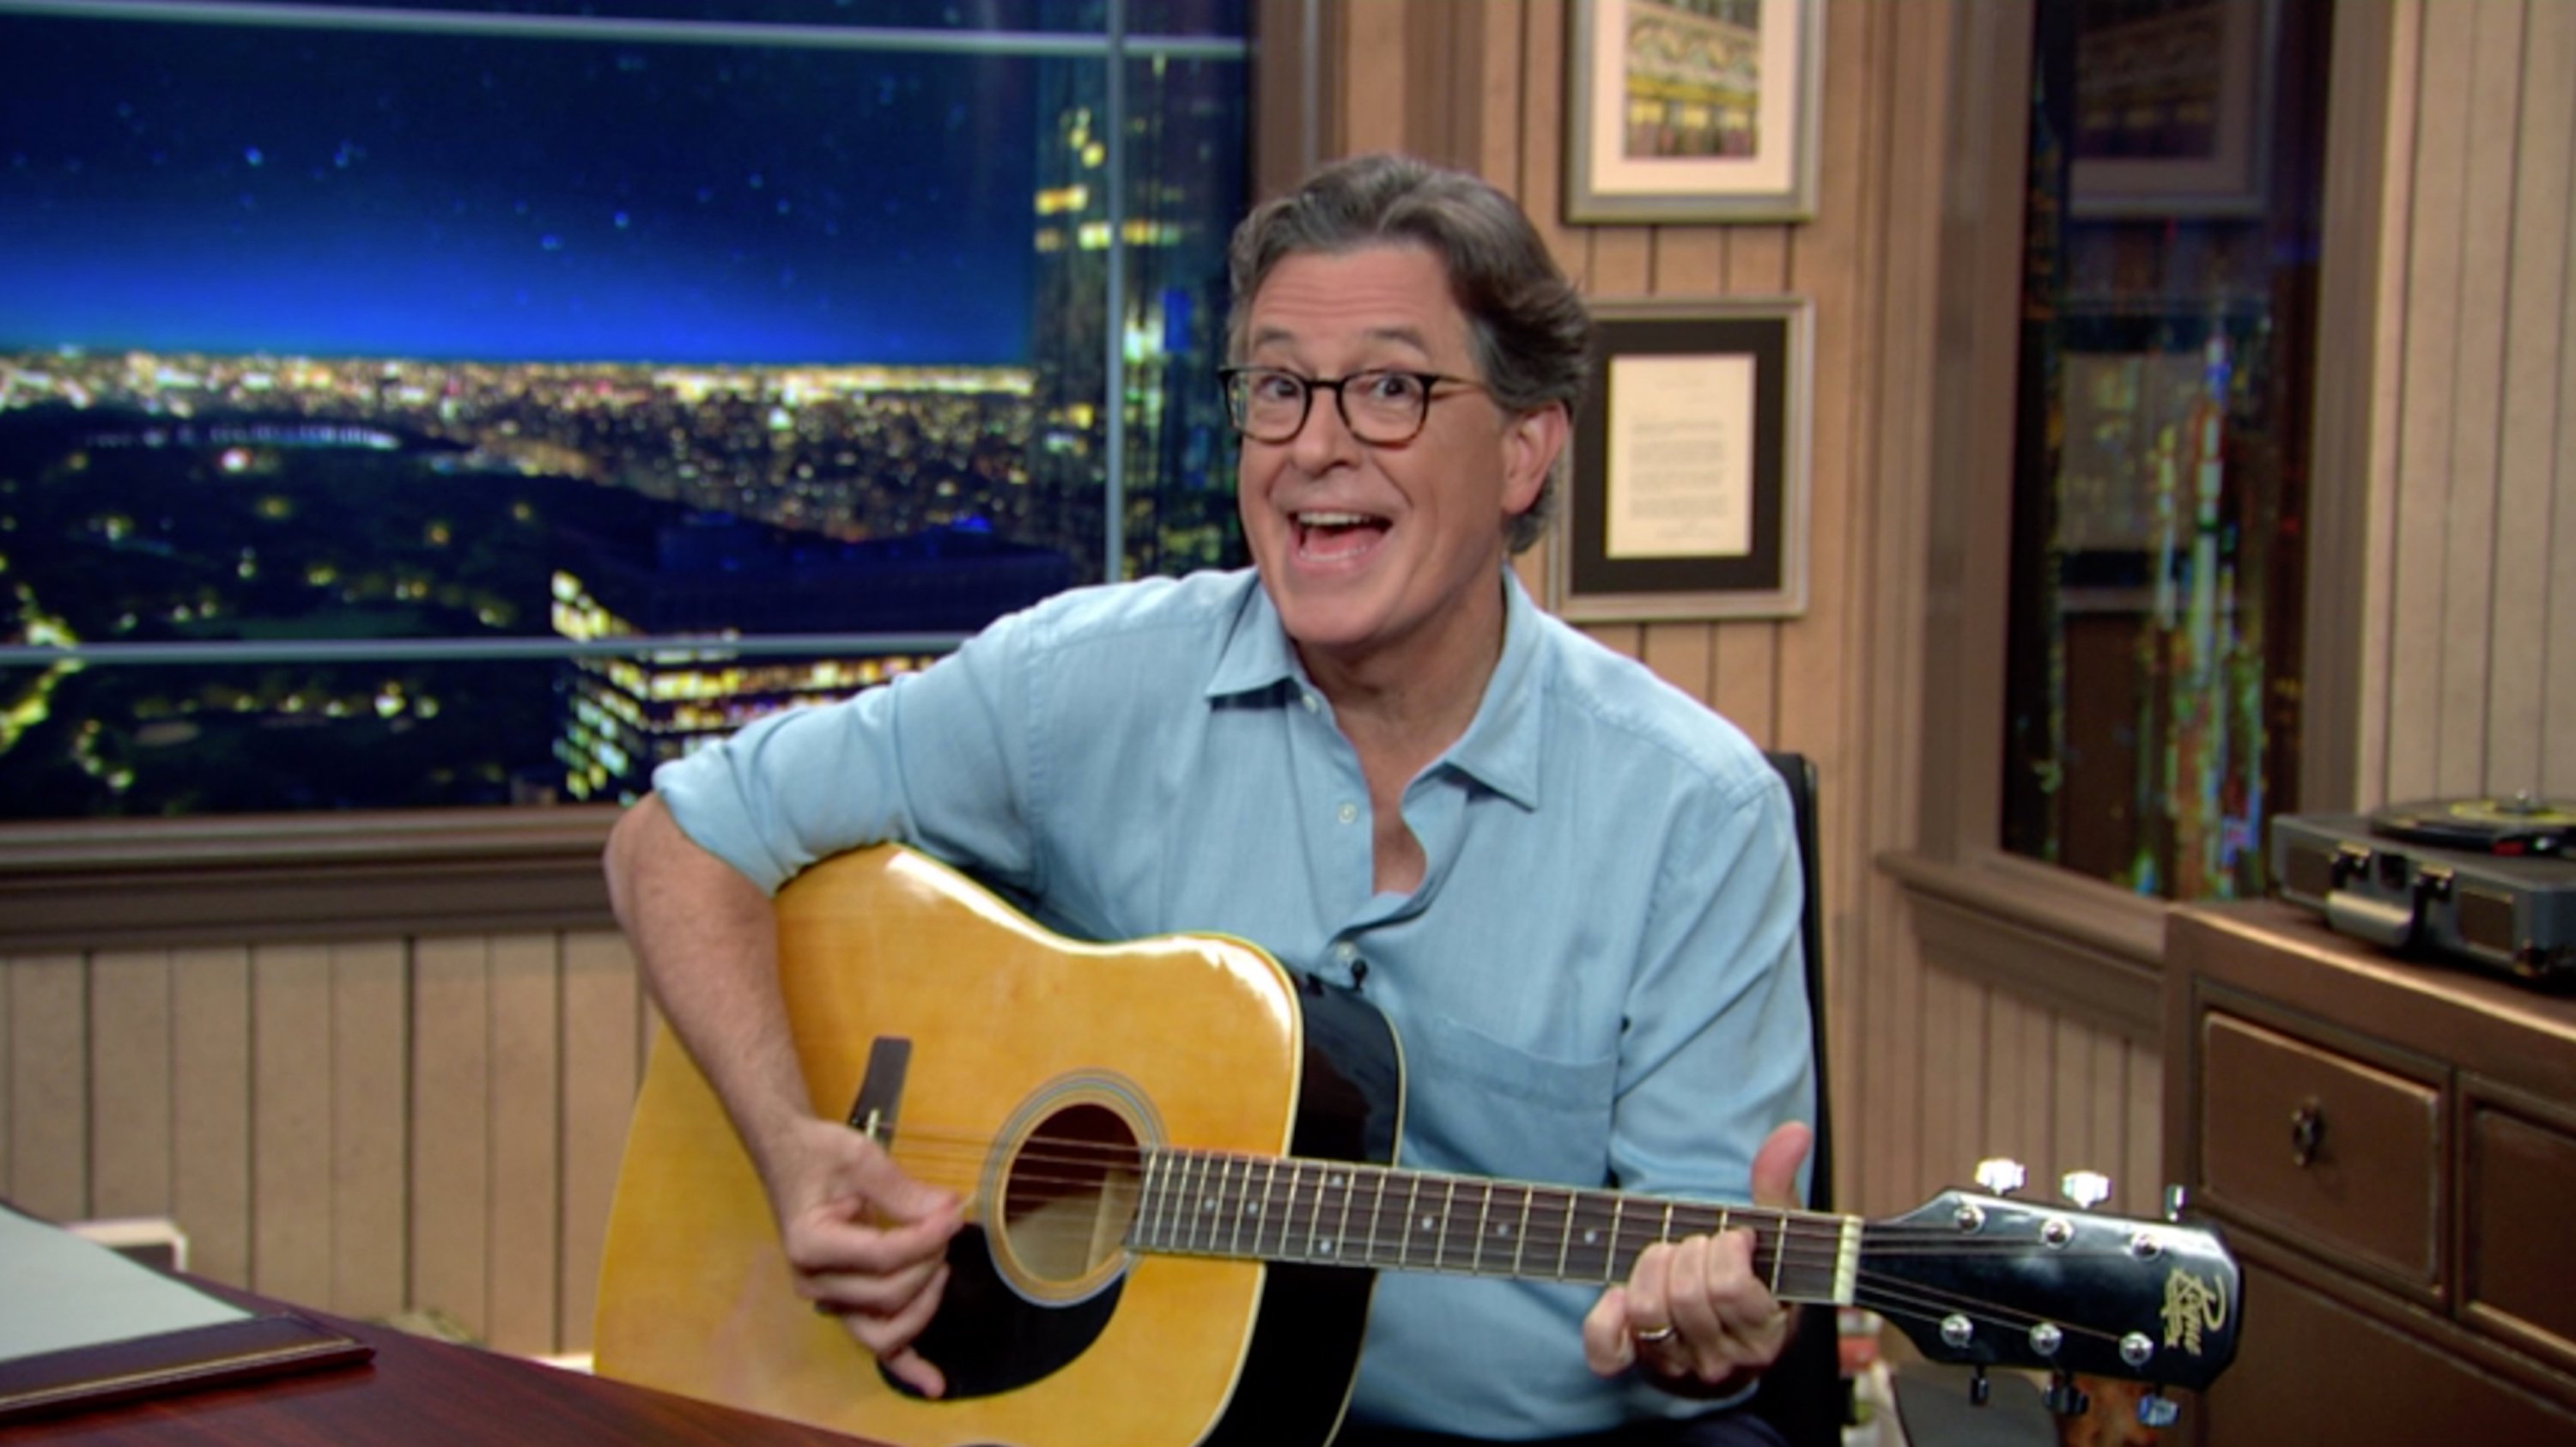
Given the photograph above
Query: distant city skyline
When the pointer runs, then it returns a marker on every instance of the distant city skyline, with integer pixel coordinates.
(337, 193)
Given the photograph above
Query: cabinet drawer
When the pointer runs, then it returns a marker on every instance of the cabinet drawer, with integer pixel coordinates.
(2333, 1154)
(2310, 1369)
(2517, 1279)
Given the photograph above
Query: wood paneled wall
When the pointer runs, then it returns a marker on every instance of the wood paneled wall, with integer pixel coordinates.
(368, 1128)
(1932, 1071)
(2467, 655)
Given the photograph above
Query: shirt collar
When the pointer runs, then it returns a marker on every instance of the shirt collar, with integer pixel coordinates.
(1256, 656)
(1501, 746)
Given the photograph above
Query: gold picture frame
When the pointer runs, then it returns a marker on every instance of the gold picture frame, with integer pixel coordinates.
(1682, 111)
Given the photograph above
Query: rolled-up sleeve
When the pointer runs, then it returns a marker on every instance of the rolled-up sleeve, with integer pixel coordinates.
(935, 759)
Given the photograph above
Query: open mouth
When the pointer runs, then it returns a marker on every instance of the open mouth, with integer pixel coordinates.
(1335, 535)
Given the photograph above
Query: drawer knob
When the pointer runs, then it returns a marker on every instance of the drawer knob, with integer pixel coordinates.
(2307, 1132)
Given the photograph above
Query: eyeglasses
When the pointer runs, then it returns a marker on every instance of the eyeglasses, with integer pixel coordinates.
(1381, 408)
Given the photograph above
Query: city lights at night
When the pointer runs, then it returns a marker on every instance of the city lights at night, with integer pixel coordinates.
(316, 335)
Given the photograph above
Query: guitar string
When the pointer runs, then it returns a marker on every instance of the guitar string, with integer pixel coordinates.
(1082, 1163)
(1808, 1242)
(1552, 1202)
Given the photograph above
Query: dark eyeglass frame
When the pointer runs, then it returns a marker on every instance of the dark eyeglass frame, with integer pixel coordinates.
(1237, 410)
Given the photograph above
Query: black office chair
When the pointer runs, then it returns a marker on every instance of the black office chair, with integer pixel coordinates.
(1804, 1396)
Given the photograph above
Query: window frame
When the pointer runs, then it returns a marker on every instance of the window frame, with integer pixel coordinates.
(2039, 930)
(216, 881)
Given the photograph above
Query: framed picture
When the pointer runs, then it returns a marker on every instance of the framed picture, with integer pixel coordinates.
(1692, 110)
(1687, 493)
(2172, 109)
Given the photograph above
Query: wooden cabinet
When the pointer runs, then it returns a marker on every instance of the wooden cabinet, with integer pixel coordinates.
(2390, 1148)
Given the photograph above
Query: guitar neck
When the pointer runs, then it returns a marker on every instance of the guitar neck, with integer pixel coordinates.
(1337, 1213)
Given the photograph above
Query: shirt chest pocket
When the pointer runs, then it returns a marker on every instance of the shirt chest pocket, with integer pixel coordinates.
(1476, 1105)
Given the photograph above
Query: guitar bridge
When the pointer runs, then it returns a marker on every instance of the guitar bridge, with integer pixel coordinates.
(880, 1096)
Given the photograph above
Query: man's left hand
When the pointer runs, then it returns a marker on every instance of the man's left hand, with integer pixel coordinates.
(1692, 1314)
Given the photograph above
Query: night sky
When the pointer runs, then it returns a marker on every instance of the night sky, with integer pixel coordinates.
(181, 187)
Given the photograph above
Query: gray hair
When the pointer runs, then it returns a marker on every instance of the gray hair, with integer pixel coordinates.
(1526, 324)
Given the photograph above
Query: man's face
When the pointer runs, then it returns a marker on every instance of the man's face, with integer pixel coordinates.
(1383, 551)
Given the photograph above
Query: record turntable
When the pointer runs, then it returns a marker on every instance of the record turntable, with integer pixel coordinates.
(2487, 882)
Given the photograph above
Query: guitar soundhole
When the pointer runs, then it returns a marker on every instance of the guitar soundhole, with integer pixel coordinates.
(1069, 1199)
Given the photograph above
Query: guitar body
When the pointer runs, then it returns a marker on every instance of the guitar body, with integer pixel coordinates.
(985, 1045)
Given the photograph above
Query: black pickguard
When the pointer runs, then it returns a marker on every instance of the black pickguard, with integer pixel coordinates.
(988, 1338)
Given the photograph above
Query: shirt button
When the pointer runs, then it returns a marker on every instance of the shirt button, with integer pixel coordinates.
(1349, 813)
(1345, 951)
(1311, 705)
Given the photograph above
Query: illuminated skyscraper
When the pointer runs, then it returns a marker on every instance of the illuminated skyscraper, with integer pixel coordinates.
(1178, 477)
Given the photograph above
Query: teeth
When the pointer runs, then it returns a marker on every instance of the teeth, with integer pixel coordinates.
(1331, 519)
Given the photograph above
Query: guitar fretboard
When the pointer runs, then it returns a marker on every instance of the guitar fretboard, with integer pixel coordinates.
(1199, 1203)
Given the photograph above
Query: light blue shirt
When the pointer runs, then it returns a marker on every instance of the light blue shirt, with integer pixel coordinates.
(1598, 980)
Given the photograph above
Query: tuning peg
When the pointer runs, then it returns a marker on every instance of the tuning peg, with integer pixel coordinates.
(2086, 1189)
(1980, 1391)
(2065, 1398)
(2177, 1201)
(2001, 1175)
(2155, 1409)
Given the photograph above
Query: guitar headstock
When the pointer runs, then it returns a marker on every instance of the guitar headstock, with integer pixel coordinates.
(1988, 1281)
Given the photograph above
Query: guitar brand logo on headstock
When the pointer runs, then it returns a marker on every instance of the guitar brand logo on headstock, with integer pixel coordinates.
(2192, 1305)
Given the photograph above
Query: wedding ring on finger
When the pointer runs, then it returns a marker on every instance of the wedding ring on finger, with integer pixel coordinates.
(1662, 1333)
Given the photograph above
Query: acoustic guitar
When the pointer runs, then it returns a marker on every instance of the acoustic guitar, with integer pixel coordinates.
(1179, 1164)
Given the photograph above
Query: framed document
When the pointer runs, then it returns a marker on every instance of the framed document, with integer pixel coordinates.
(1687, 491)
(1692, 110)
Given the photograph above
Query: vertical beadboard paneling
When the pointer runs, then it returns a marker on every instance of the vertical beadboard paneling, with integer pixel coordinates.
(2557, 646)
(2470, 559)
(526, 1190)
(2418, 591)
(2070, 1121)
(210, 1109)
(370, 1128)
(291, 1113)
(1747, 678)
(48, 1076)
(599, 1008)
(2021, 1040)
(2105, 1102)
(1542, 181)
(451, 1171)
(2517, 721)
(1688, 261)
(1622, 264)
(129, 1083)
(2142, 1179)
(1372, 68)
(1682, 654)
(2472, 398)
(1951, 1096)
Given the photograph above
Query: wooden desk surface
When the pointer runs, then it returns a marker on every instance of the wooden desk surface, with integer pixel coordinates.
(415, 1393)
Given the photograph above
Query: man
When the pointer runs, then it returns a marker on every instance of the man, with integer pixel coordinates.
(1569, 887)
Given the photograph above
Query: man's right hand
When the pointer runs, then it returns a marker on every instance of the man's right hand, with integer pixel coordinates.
(865, 1241)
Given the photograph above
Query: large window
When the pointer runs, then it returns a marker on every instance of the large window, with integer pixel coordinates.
(2161, 471)
(449, 403)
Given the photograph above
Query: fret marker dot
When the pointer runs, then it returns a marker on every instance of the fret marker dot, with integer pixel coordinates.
(1323, 1247)
(1591, 1238)
(1503, 1231)
(1208, 1205)
(1252, 1208)
(1426, 1223)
